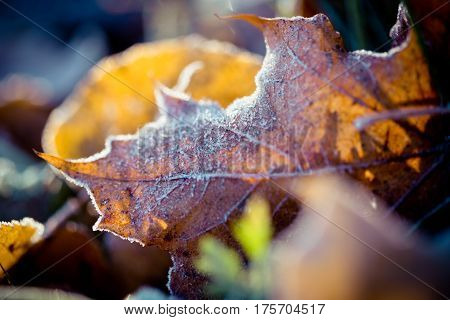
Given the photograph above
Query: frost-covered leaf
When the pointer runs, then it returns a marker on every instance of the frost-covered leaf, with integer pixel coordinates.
(192, 169)
(16, 237)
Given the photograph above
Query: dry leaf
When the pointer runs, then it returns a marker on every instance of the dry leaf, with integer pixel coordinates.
(16, 237)
(117, 97)
(190, 171)
(182, 176)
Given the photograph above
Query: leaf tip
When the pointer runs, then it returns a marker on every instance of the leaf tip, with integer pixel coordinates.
(52, 160)
(254, 20)
(38, 153)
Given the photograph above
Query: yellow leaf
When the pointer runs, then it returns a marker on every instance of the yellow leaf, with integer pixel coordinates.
(117, 96)
(15, 239)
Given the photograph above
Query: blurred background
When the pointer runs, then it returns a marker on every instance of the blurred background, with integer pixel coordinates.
(47, 46)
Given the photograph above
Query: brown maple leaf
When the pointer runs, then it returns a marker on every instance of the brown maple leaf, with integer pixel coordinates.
(191, 170)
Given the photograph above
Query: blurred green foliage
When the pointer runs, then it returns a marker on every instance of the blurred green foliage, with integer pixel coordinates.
(254, 230)
(229, 277)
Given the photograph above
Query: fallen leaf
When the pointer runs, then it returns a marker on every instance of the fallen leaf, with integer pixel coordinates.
(117, 96)
(16, 237)
(183, 175)
(192, 170)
